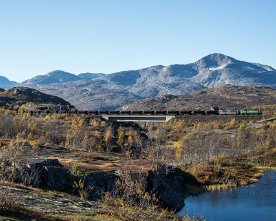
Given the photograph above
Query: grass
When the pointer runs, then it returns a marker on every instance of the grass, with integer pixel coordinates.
(226, 174)
(17, 212)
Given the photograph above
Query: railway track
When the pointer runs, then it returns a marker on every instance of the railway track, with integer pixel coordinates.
(154, 113)
(192, 116)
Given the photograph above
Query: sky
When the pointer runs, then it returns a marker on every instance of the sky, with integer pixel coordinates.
(106, 36)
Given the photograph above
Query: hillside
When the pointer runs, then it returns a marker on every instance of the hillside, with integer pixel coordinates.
(6, 83)
(58, 76)
(102, 92)
(228, 96)
(23, 95)
(74, 167)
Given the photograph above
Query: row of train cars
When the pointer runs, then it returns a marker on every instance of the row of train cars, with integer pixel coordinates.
(215, 111)
(192, 112)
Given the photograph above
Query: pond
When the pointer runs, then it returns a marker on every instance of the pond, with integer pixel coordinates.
(253, 202)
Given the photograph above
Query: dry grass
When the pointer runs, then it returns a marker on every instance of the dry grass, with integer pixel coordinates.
(227, 175)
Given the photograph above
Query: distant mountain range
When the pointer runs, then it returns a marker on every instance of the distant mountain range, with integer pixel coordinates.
(104, 92)
(6, 83)
(58, 76)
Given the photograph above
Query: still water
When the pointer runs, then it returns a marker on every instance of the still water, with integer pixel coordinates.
(254, 202)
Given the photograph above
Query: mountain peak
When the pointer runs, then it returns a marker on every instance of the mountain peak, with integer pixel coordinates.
(6, 83)
(53, 77)
(217, 56)
(215, 60)
(114, 90)
(59, 73)
(4, 78)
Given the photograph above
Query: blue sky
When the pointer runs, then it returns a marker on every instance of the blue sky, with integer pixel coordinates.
(106, 36)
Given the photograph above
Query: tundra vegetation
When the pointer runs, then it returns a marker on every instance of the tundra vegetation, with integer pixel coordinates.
(115, 171)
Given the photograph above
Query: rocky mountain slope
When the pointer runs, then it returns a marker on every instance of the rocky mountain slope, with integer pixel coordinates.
(98, 91)
(59, 76)
(227, 97)
(23, 95)
(6, 83)
(89, 76)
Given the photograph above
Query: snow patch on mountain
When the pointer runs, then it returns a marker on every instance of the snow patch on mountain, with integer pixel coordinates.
(217, 68)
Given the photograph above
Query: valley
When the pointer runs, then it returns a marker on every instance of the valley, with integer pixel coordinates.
(69, 166)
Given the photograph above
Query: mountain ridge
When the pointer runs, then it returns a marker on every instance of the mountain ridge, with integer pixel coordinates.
(6, 83)
(111, 91)
(225, 97)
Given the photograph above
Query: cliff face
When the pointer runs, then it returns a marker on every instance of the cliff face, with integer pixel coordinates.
(170, 185)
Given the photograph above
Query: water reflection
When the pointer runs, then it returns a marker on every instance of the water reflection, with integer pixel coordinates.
(253, 202)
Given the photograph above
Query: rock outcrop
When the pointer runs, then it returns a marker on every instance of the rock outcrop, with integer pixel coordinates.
(172, 185)
(169, 185)
(39, 172)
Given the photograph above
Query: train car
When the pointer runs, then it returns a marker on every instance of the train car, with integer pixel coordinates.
(173, 112)
(104, 112)
(186, 113)
(161, 112)
(137, 112)
(199, 112)
(149, 112)
(212, 112)
(251, 112)
(228, 112)
(126, 112)
(115, 112)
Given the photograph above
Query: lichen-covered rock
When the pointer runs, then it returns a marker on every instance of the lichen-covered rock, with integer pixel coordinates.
(171, 185)
(41, 172)
(58, 178)
(99, 183)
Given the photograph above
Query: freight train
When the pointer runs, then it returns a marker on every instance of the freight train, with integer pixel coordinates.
(213, 111)
(191, 112)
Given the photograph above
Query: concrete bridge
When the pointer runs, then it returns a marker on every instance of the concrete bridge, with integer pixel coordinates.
(137, 118)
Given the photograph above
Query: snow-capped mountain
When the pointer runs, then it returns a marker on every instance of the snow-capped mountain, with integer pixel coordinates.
(100, 91)
(217, 70)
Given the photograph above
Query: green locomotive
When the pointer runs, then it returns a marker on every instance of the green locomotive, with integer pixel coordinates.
(250, 112)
